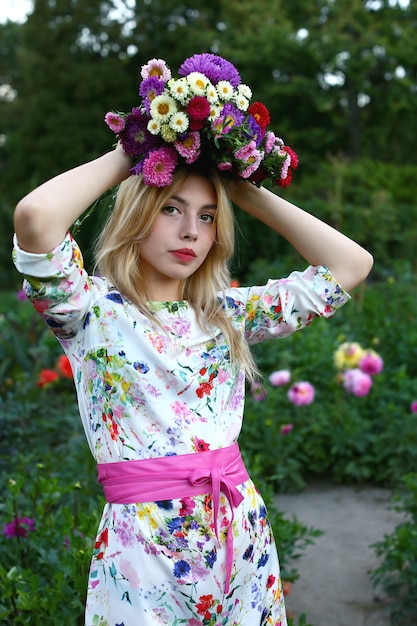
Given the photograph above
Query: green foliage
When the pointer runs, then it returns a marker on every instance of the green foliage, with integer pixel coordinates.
(346, 438)
(43, 572)
(397, 573)
(337, 77)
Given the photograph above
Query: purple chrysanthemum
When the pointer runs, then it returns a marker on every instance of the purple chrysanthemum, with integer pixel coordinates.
(135, 137)
(159, 166)
(254, 130)
(211, 65)
(149, 89)
(229, 118)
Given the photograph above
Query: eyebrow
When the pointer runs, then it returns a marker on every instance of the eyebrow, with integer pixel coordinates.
(184, 202)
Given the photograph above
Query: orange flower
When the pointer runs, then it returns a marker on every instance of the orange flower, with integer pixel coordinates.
(47, 377)
(286, 587)
(64, 366)
(206, 602)
(234, 283)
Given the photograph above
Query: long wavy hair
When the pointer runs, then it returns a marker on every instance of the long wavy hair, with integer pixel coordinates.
(117, 256)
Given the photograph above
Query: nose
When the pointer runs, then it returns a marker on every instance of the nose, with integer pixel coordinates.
(189, 230)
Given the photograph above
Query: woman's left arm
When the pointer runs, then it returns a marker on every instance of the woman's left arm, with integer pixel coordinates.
(318, 242)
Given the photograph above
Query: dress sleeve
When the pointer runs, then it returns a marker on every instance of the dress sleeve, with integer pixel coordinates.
(286, 305)
(57, 285)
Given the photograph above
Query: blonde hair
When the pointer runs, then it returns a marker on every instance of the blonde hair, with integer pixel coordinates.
(118, 258)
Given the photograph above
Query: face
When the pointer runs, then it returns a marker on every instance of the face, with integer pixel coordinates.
(180, 240)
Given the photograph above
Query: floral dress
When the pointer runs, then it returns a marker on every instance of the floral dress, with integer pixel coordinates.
(147, 392)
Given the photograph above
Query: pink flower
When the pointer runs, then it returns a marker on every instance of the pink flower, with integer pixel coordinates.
(159, 166)
(114, 121)
(413, 406)
(280, 377)
(21, 295)
(258, 392)
(371, 363)
(357, 382)
(224, 166)
(301, 393)
(19, 527)
(156, 67)
(189, 147)
(286, 428)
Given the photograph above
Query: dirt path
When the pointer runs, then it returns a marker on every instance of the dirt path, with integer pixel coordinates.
(334, 588)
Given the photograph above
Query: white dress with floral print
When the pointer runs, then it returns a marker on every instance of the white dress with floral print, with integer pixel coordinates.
(145, 393)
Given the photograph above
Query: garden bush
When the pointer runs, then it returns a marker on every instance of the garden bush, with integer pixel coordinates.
(397, 573)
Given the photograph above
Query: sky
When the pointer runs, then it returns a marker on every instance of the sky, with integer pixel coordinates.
(15, 10)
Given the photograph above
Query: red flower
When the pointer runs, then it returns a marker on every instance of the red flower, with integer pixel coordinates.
(204, 388)
(201, 445)
(205, 603)
(285, 182)
(260, 113)
(270, 581)
(47, 377)
(198, 109)
(293, 155)
(64, 366)
(102, 538)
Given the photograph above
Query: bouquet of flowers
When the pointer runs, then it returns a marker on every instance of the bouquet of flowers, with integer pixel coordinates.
(205, 113)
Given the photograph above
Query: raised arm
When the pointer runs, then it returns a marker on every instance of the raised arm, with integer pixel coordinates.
(43, 217)
(316, 241)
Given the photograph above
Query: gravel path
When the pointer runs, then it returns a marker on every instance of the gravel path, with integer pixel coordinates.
(334, 588)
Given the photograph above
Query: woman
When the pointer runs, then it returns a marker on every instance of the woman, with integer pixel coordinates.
(159, 347)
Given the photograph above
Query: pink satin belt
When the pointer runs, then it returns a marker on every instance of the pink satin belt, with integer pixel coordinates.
(170, 477)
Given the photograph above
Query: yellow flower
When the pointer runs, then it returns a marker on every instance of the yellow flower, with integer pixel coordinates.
(348, 355)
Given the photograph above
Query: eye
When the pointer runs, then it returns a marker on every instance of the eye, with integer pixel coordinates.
(169, 209)
(207, 218)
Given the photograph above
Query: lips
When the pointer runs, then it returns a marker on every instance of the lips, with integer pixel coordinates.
(184, 254)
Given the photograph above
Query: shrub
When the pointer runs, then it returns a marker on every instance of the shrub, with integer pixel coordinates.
(397, 573)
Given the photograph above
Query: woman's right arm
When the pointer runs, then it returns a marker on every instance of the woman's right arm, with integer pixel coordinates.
(43, 217)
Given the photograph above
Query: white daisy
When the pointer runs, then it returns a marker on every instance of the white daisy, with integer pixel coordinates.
(211, 94)
(179, 89)
(245, 90)
(215, 111)
(225, 90)
(198, 83)
(162, 107)
(242, 103)
(179, 122)
(154, 126)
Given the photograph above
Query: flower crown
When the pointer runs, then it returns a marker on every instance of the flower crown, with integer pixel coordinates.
(204, 115)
